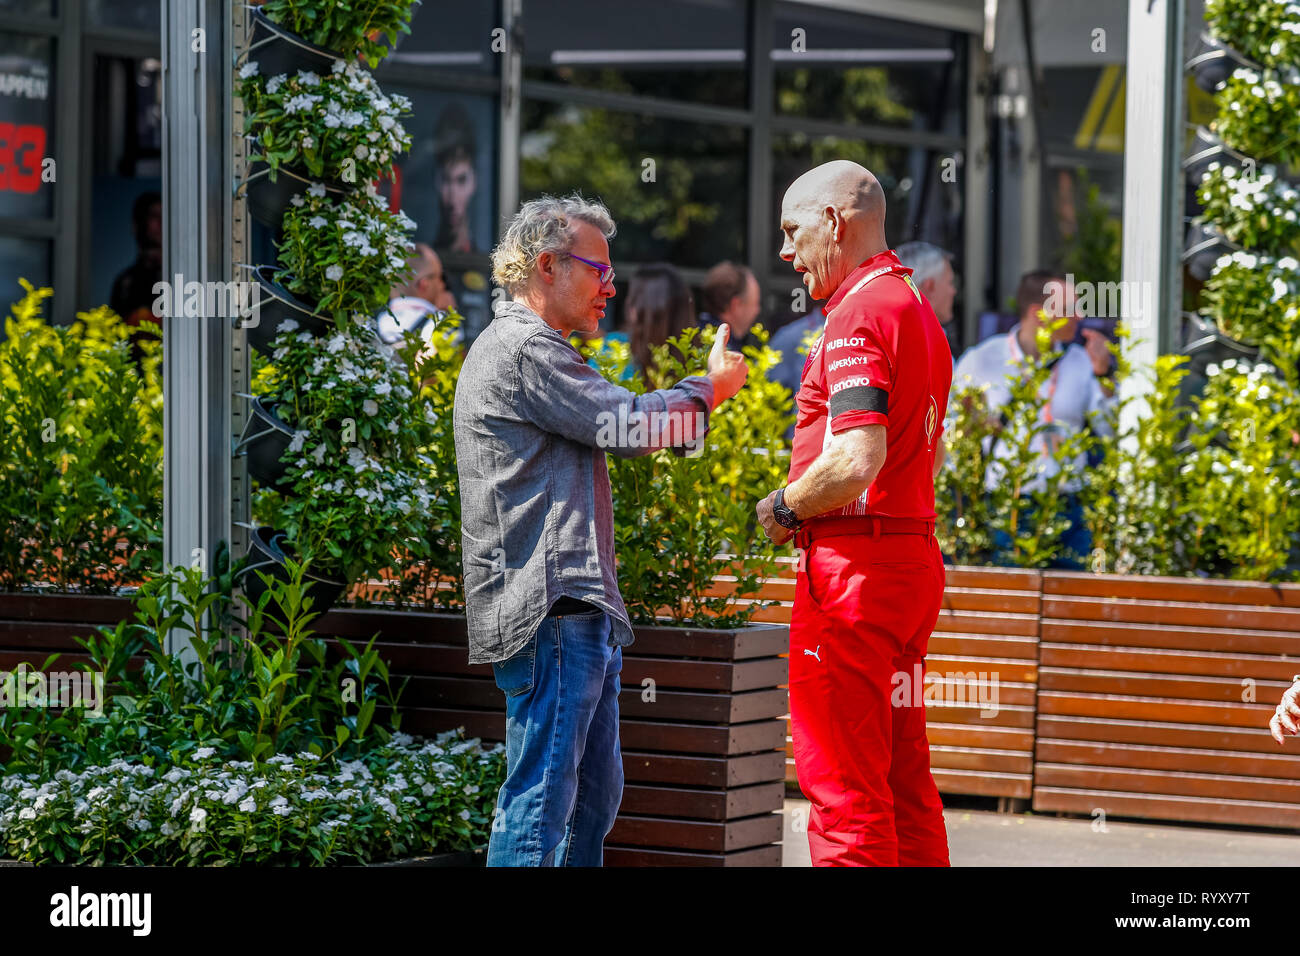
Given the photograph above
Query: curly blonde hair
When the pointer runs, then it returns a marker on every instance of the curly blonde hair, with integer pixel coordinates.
(543, 225)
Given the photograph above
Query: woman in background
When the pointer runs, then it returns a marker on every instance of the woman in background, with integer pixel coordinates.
(659, 307)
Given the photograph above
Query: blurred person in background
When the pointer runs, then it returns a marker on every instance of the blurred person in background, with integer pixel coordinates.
(133, 292)
(1078, 394)
(933, 274)
(730, 296)
(659, 307)
(418, 304)
(793, 341)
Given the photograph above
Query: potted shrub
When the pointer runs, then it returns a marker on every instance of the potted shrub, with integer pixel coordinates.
(277, 306)
(81, 459)
(298, 34)
(343, 257)
(355, 489)
(338, 129)
(254, 753)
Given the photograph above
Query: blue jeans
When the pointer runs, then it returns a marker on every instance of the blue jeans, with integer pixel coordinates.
(564, 768)
(1076, 542)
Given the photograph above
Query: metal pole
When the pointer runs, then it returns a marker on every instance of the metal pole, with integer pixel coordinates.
(1152, 187)
(197, 174)
(512, 71)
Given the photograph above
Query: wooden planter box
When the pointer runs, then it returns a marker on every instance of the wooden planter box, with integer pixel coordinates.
(1155, 695)
(1120, 694)
(702, 762)
(34, 626)
(988, 624)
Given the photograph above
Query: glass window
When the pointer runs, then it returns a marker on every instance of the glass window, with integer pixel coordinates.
(676, 189)
(690, 50)
(919, 203)
(447, 184)
(459, 42)
(127, 14)
(849, 68)
(126, 185)
(34, 8)
(26, 125)
(1081, 218)
(21, 259)
(1084, 108)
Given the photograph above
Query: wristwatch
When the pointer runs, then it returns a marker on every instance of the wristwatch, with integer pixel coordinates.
(784, 516)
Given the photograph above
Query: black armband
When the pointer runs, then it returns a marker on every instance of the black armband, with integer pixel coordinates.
(860, 398)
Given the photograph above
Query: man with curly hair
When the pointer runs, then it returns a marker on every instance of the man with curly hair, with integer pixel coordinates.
(533, 422)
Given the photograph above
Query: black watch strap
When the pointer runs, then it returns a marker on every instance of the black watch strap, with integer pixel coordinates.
(784, 516)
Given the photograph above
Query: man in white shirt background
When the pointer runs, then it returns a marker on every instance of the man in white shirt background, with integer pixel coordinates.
(933, 274)
(1077, 394)
(418, 304)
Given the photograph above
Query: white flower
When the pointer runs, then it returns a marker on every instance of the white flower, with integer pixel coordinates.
(298, 202)
(338, 66)
(301, 103)
(249, 805)
(275, 82)
(464, 814)
(26, 813)
(248, 69)
(334, 273)
(370, 407)
(197, 816)
(318, 222)
(299, 438)
(308, 78)
(362, 151)
(317, 190)
(203, 753)
(307, 141)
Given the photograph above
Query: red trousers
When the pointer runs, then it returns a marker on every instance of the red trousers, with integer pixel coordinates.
(864, 608)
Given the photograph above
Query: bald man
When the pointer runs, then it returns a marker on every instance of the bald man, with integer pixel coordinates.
(860, 504)
(418, 304)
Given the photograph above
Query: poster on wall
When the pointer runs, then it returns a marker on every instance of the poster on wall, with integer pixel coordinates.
(26, 120)
(446, 183)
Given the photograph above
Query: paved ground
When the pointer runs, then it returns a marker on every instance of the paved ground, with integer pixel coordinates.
(985, 838)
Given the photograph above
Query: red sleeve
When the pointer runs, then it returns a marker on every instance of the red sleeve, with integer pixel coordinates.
(859, 371)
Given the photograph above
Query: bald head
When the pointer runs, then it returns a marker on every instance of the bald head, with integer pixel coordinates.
(832, 219)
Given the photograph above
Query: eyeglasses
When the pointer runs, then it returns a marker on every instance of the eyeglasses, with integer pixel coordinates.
(606, 272)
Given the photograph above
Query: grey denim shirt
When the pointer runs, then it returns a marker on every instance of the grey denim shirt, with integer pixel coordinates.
(532, 423)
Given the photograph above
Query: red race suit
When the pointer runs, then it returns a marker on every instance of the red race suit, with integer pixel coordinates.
(870, 579)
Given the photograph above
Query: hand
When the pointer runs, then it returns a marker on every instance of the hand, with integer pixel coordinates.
(777, 532)
(727, 369)
(1284, 717)
(1098, 348)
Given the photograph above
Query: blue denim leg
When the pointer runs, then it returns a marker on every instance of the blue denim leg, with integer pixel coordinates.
(556, 692)
(600, 777)
(1076, 543)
